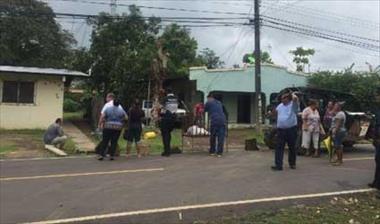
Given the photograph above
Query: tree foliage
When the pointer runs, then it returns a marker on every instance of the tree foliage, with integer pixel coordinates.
(265, 58)
(361, 84)
(208, 57)
(29, 35)
(301, 57)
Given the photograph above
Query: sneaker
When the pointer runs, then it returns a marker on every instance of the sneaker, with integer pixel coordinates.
(219, 155)
(165, 154)
(275, 168)
(111, 158)
(212, 154)
(371, 185)
(293, 167)
(100, 158)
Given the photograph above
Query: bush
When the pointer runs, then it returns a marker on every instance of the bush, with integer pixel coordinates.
(70, 105)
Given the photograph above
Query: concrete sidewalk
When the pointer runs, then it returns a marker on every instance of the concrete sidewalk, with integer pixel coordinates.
(83, 143)
(114, 187)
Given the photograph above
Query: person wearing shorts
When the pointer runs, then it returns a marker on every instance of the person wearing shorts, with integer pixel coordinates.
(133, 135)
(338, 132)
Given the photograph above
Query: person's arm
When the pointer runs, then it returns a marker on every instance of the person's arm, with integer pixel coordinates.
(101, 121)
(60, 131)
(305, 115)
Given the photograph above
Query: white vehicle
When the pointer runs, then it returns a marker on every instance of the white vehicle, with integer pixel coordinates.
(147, 106)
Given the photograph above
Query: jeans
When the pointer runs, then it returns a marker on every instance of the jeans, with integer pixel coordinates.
(286, 136)
(167, 126)
(376, 181)
(217, 131)
(109, 135)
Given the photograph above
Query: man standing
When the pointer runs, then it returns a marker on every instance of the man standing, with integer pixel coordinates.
(54, 134)
(168, 116)
(376, 143)
(286, 130)
(214, 108)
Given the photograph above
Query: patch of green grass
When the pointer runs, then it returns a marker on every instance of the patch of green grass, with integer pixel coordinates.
(4, 149)
(35, 134)
(70, 146)
(355, 209)
(155, 144)
(73, 115)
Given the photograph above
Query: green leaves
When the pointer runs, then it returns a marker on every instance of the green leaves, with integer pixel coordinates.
(301, 57)
(30, 36)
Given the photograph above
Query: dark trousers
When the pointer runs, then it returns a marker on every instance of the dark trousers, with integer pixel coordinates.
(217, 132)
(376, 181)
(167, 126)
(286, 136)
(109, 135)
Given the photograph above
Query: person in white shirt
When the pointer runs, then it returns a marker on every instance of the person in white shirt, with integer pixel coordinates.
(311, 128)
(109, 103)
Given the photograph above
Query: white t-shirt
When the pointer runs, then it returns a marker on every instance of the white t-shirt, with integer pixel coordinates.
(107, 105)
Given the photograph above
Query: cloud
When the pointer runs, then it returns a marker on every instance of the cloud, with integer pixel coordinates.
(322, 14)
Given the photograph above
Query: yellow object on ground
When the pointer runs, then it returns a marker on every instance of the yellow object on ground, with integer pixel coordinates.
(150, 135)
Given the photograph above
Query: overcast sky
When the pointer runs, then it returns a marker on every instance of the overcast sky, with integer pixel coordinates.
(355, 17)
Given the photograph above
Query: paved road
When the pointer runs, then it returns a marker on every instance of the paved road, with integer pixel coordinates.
(38, 190)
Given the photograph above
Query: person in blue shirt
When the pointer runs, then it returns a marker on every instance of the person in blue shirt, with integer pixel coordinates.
(112, 121)
(286, 113)
(217, 117)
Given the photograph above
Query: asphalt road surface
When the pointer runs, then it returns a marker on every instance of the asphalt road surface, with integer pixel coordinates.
(179, 189)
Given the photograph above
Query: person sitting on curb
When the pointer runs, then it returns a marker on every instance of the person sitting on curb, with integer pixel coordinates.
(54, 135)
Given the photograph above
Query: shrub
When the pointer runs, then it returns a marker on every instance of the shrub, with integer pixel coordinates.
(70, 105)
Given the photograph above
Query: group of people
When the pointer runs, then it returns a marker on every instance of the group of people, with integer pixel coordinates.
(333, 124)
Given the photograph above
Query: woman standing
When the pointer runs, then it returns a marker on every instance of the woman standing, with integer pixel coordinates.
(338, 132)
(311, 127)
(112, 121)
(135, 116)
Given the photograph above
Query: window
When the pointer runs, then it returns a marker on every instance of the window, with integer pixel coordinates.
(18, 92)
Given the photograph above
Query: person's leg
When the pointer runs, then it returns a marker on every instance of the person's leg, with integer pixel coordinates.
(291, 138)
(106, 136)
(306, 139)
(114, 139)
(338, 144)
(213, 133)
(279, 153)
(376, 181)
(165, 136)
(59, 141)
(316, 144)
(221, 135)
(128, 148)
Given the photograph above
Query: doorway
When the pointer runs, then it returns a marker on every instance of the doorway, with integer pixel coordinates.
(244, 109)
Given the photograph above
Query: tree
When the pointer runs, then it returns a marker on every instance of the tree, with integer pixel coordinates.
(301, 57)
(30, 36)
(181, 49)
(363, 85)
(208, 57)
(265, 58)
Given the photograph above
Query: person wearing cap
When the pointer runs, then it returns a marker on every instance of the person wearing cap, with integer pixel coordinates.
(168, 116)
(286, 113)
(217, 116)
(338, 132)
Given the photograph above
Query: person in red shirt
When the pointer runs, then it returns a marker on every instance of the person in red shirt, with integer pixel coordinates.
(199, 109)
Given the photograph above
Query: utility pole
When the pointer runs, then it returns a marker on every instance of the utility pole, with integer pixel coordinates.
(257, 52)
(113, 7)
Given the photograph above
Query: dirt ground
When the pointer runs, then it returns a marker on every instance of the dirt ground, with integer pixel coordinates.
(24, 144)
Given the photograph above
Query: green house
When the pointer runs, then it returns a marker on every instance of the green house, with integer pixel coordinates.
(235, 87)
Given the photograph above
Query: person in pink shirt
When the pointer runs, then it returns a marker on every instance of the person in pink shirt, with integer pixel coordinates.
(311, 128)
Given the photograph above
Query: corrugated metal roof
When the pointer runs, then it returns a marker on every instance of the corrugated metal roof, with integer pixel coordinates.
(41, 71)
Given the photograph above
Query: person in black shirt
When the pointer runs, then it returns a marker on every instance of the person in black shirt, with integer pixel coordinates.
(135, 117)
(168, 116)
